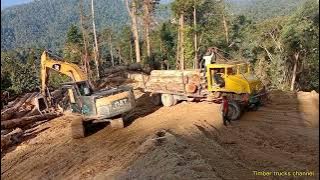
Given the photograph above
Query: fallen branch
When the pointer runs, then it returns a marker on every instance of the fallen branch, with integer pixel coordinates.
(11, 138)
(20, 122)
(8, 113)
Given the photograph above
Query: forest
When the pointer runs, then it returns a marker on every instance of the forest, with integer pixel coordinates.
(280, 40)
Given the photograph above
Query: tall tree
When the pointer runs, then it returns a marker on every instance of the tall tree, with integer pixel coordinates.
(108, 35)
(225, 23)
(180, 7)
(148, 10)
(73, 46)
(85, 56)
(132, 11)
(300, 36)
(96, 48)
(147, 20)
(195, 63)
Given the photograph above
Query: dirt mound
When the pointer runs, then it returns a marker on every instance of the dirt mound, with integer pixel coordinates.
(186, 141)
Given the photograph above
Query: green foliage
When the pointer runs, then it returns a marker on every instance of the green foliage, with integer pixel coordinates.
(125, 45)
(259, 10)
(272, 45)
(210, 26)
(24, 79)
(189, 48)
(164, 42)
(56, 79)
(73, 35)
(17, 75)
(44, 22)
(72, 51)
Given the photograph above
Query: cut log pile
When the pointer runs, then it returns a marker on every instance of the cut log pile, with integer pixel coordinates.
(118, 78)
(176, 81)
(24, 111)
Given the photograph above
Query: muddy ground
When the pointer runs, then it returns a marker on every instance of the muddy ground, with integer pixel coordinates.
(187, 141)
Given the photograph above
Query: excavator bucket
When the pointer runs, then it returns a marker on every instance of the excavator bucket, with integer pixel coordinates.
(40, 102)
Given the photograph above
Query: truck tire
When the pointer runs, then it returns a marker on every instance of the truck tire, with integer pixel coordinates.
(77, 128)
(117, 123)
(156, 99)
(168, 100)
(234, 111)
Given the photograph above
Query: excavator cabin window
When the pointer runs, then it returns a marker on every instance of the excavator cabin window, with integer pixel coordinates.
(84, 89)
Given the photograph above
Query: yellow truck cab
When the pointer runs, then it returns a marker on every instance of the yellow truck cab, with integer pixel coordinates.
(236, 76)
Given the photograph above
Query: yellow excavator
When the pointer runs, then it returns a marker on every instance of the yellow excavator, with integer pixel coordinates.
(105, 105)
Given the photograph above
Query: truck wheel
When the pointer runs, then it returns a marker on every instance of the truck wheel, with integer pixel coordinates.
(234, 111)
(77, 128)
(117, 123)
(156, 99)
(168, 100)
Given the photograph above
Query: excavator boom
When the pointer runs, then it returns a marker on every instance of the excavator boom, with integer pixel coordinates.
(69, 69)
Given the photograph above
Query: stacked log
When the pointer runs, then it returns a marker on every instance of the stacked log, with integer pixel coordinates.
(175, 81)
(21, 113)
(11, 138)
(20, 122)
(9, 112)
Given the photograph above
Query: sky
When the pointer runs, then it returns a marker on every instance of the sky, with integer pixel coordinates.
(8, 3)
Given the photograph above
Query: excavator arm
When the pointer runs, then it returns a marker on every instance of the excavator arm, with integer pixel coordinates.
(69, 69)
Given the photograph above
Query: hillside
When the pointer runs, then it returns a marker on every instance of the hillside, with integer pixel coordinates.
(263, 9)
(8, 3)
(44, 23)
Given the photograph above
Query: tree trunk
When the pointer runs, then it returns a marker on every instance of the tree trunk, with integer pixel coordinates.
(178, 47)
(146, 5)
(121, 61)
(10, 138)
(294, 72)
(85, 43)
(130, 53)
(96, 48)
(181, 22)
(8, 113)
(226, 30)
(20, 122)
(195, 63)
(134, 28)
(111, 51)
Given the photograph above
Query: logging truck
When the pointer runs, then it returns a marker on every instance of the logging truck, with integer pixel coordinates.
(232, 79)
(105, 105)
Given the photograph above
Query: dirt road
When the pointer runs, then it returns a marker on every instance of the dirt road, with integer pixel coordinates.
(187, 141)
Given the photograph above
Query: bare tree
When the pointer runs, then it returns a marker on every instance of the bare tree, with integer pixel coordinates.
(195, 63)
(225, 24)
(96, 48)
(178, 47)
(85, 60)
(111, 48)
(181, 29)
(132, 11)
(147, 19)
(226, 30)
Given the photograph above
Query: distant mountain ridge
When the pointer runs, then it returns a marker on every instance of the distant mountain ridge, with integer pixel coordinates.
(262, 9)
(45, 22)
